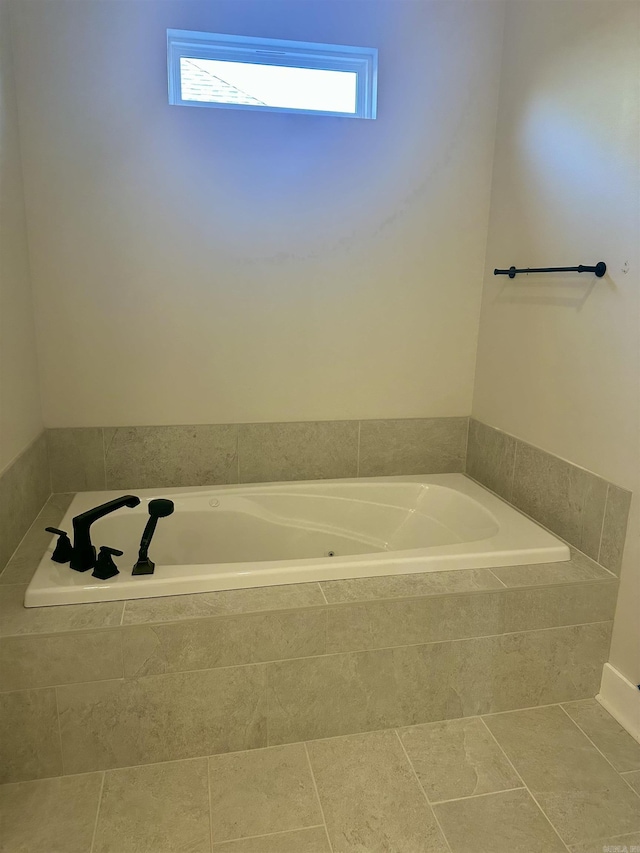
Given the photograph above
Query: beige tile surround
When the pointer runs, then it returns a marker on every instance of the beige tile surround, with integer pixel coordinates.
(579, 506)
(24, 488)
(584, 509)
(154, 456)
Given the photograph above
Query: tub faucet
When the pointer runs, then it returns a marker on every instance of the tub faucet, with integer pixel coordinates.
(83, 556)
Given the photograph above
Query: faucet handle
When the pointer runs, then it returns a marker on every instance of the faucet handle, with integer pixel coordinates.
(105, 568)
(63, 550)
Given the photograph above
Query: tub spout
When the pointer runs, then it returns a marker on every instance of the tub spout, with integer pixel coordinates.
(84, 553)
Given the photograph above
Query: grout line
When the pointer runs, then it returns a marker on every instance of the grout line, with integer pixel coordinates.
(326, 631)
(95, 825)
(594, 745)
(512, 587)
(466, 444)
(358, 451)
(267, 705)
(526, 787)
(322, 591)
(422, 790)
(64, 684)
(122, 654)
(49, 466)
(479, 796)
(55, 693)
(624, 775)
(65, 776)
(513, 471)
(104, 457)
(266, 663)
(515, 710)
(215, 844)
(315, 786)
(209, 802)
(604, 515)
(238, 452)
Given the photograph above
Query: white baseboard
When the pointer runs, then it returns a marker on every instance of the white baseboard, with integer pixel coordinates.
(621, 698)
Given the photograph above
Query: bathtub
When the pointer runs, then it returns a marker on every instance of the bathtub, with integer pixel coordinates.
(232, 537)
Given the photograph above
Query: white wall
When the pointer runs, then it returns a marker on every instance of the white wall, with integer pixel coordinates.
(20, 416)
(559, 358)
(195, 265)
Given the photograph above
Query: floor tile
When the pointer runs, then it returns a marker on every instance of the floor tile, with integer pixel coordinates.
(633, 779)
(160, 807)
(29, 738)
(301, 841)
(50, 815)
(579, 791)
(509, 822)
(607, 734)
(457, 758)
(371, 798)
(261, 792)
(617, 844)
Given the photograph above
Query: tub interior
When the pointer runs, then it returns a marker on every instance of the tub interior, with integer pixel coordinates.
(295, 524)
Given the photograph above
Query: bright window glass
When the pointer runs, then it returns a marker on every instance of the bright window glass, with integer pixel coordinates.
(214, 70)
(280, 86)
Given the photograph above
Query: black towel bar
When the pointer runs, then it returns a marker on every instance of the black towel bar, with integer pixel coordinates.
(599, 269)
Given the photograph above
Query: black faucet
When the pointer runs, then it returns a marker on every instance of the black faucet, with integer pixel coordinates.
(83, 556)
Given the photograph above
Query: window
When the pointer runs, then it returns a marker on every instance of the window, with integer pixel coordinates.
(240, 72)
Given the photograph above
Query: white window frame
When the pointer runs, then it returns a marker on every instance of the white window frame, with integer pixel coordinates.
(330, 57)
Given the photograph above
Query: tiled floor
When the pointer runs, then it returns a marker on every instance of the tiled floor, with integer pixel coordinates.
(555, 778)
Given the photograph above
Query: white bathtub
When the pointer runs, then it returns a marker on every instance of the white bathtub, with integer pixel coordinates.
(231, 537)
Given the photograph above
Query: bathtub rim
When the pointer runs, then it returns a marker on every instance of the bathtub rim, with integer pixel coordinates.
(543, 547)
